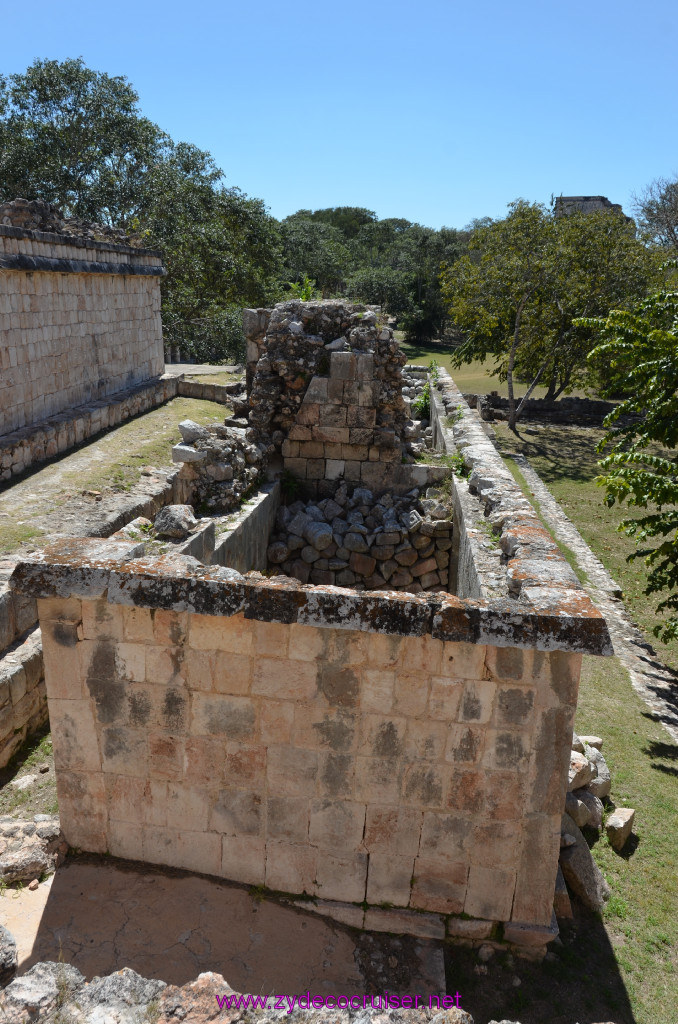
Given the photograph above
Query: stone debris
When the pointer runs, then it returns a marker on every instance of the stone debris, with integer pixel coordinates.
(577, 808)
(601, 784)
(37, 215)
(581, 771)
(29, 849)
(219, 464)
(580, 870)
(175, 521)
(8, 956)
(590, 741)
(619, 826)
(389, 543)
(51, 991)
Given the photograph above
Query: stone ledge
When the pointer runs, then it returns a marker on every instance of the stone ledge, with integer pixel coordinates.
(77, 241)
(88, 568)
(53, 265)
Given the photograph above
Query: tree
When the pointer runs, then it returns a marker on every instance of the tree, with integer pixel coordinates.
(315, 249)
(657, 209)
(76, 138)
(525, 280)
(642, 466)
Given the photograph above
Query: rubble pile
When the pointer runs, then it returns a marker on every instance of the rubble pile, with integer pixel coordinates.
(37, 215)
(300, 339)
(219, 463)
(389, 543)
(588, 791)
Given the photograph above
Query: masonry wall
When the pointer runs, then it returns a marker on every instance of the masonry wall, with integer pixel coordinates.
(79, 320)
(346, 764)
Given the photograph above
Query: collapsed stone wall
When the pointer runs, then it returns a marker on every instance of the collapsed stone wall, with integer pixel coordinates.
(327, 393)
(389, 543)
(79, 316)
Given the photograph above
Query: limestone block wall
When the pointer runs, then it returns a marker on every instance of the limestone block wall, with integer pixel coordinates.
(359, 748)
(79, 320)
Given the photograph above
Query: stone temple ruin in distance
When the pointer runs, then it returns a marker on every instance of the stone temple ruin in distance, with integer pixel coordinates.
(341, 673)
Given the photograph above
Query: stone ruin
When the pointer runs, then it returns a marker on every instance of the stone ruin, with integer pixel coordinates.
(396, 750)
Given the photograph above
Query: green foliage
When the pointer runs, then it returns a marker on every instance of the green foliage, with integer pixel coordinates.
(641, 468)
(76, 138)
(518, 291)
(434, 371)
(657, 210)
(290, 487)
(304, 289)
(421, 406)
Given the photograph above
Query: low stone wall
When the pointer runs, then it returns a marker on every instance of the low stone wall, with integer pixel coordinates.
(23, 699)
(21, 449)
(577, 411)
(243, 544)
(356, 747)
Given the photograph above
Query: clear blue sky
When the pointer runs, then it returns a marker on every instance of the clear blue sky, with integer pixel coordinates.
(436, 110)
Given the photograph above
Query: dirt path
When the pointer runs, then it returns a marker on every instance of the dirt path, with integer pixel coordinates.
(76, 494)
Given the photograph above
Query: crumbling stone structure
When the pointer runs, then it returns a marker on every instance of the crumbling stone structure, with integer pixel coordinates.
(326, 392)
(364, 748)
(79, 315)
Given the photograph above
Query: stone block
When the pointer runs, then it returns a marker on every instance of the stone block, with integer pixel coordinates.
(471, 929)
(291, 771)
(343, 366)
(218, 633)
(389, 878)
(287, 818)
(276, 721)
(284, 678)
(619, 826)
(378, 779)
(405, 922)
(291, 867)
(76, 744)
(490, 893)
(342, 877)
(439, 885)
(336, 825)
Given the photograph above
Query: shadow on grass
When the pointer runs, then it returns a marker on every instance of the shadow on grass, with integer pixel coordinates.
(661, 752)
(578, 982)
(561, 452)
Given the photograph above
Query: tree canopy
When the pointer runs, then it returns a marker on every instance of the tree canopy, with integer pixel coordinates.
(518, 290)
(641, 468)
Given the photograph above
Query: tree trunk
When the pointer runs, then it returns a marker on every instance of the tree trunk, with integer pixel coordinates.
(511, 363)
(531, 387)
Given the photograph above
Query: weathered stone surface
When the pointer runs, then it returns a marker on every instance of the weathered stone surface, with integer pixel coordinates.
(594, 806)
(29, 848)
(580, 772)
(577, 808)
(619, 826)
(50, 990)
(175, 521)
(601, 784)
(8, 956)
(580, 870)
(191, 431)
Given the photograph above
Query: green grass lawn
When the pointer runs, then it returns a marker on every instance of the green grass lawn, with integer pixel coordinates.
(567, 461)
(472, 378)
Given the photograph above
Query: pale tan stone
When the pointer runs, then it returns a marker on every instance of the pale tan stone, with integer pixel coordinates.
(271, 639)
(101, 621)
(439, 885)
(384, 651)
(464, 661)
(319, 726)
(169, 627)
(490, 893)
(290, 867)
(378, 779)
(232, 673)
(62, 668)
(343, 875)
(389, 878)
(444, 699)
(336, 825)
(217, 633)
(244, 765)
(192, 851)
(421, 654)
(291, 771)
(426, 740)
(164, 664)
(276, 720)
(405, 922)
(395, 829)
(377, 690)
(126, 796)
(285, 679)
(82, 809)
(137, 625)
(130, 661)
(125, 839)
(199, 669)
(75, 740)
(61, 609)
(411, 694)
(188, 807)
